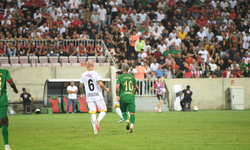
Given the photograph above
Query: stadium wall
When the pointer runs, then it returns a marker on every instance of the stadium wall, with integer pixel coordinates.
(33, 79)
(210, 94)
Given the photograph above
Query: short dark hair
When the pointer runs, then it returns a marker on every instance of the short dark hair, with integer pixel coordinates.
(188, 87)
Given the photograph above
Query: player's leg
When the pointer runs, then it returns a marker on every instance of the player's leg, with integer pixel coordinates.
(123, 107)
(131, 109)
(118, 111)
(69, 103)
(92, 111)
(160, 102)
(4, 123)
(102, 108)
(157, 106)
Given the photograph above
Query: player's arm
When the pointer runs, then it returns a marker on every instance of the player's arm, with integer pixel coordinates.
(69, 92)
(20, 99)
(82, 91)
(136, 88)
(180, 93)
(12, 85)
(154, 87)
(102, 86)
(32, 99)
(117, 92)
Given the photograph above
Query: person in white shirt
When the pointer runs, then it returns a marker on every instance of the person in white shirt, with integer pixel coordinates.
(160, 27)
(44, 28)
(92, 81)
(154, 65)
(162, 46)
(224, 4)
(52, 9)
(134, 15)
(73, 4)
(72, 90)
(37, 15)
(66, 22)
(177, 40)
(212, 65)
(203, 53)
(233, 3)
(177, 27)
(156, 34)
(143, 15)
(186, 28)
(201, 34)
(96, 6)
(228, 21)
(161, 15)
(103, 15)
(246, 41)
(6, 21)
(214, 3)
(124, 16)
(206, 28)
(151, 28)
(55, 15)
(62, 29)
(173, 34)
(114, 6)
(61, 8)
(169, 41)
(73, 15)
(142, 56)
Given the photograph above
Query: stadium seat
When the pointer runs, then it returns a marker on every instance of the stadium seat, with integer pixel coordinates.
(5, 65)
(82, 59)
(76, 64)
(66, 64)
(53, 59)
(65, 104)
(43, 59)
(104, 64)
(64, 59)
(16, 65)
(33, 60)
(25, 65)
(23, 59)
(4, 60)
(14, 60)
(55, 104)
(102, 59)
(56, 65)
(82, 105)
(46, 65)
(72, 59)
(93, 58)
(36, 65)
(96, 64)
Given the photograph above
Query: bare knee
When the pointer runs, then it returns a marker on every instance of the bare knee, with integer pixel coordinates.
(116, 107)
(160, 101)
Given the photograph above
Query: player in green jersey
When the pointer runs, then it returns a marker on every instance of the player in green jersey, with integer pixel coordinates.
(126, 87)
(5, 77)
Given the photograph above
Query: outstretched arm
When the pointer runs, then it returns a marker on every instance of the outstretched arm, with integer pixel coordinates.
(13, 86)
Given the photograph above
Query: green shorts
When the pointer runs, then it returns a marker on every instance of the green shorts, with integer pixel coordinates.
(3, 111)
(127, 107)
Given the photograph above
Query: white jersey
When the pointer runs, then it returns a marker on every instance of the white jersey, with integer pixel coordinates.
(93, 90)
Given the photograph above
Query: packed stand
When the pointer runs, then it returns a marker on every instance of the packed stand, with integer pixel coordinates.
(166, 38)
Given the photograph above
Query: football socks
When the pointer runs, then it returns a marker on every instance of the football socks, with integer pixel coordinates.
(5, 134)
(119, 112)
(132, 118)
(101, 115)
(124, 115)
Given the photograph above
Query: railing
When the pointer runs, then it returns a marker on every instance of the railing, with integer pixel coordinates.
(145, 87)
(65, 42)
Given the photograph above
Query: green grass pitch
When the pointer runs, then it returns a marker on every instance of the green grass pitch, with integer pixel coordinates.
(211, 130)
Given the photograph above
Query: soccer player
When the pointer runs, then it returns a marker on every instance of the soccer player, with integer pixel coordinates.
(117, 104)
(126, 87)
(4, 122)
(92, 82)
(158, 86)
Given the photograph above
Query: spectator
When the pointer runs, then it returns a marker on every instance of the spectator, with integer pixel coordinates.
(246, 73)
(157, 53)
(160, 72)
(142, 56)
(212, 65)
(154, 65)
(182, 34)
(25, 99)
(90, 50)
(51, 51)
(95, 19)
(11, 50)
(72, 90)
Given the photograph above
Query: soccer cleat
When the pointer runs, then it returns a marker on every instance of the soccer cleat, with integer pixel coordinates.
(96, 132)
(127, 125)
(131, 129)
(155, 110)
(97, 125)
(121, 120)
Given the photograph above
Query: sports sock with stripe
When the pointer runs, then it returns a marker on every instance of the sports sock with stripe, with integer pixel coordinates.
(119, 112)
(93, 119)
(101, 116)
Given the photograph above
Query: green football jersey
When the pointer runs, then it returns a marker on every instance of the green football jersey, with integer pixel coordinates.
(4, 77)
(126, 92)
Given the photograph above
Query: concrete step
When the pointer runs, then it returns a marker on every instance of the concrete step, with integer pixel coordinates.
(147, 104)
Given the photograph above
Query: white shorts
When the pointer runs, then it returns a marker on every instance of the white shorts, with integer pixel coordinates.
(117, 103)
(100, 104)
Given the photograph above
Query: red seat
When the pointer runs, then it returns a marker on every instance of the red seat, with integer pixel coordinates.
(55, 104)
(65, 104)
(82, 105)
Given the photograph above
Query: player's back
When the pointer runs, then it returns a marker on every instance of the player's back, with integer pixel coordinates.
(127, 83)
(4, 77)
(90, 80)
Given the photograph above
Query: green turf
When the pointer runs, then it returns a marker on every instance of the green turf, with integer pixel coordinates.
(169, 130)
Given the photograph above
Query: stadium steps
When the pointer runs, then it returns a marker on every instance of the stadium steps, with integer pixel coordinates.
(147, 104)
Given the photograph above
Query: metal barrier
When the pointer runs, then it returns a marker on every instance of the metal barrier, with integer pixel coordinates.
(66, 42)
(145, 87)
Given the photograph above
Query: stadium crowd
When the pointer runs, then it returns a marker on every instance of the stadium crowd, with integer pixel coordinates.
(164, 38)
